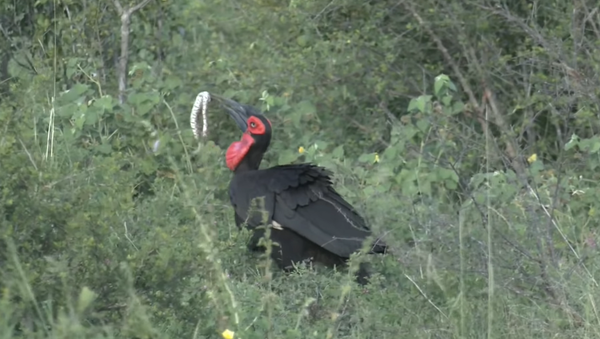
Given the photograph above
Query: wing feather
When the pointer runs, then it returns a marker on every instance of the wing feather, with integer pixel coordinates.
(301, 198)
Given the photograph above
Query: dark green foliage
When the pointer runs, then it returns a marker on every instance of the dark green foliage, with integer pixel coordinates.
(466, 132)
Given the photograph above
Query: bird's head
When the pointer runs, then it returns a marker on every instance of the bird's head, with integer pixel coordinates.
(247, 153)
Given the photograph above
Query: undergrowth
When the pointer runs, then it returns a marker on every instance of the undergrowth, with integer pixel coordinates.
(116, 223)
(86, 257)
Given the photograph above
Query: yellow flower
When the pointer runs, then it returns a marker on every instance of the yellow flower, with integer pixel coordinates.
(301, 150)
(227, 334)
(532, 158)
(376, 158)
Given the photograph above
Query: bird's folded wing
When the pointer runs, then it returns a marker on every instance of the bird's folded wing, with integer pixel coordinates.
(323, 224)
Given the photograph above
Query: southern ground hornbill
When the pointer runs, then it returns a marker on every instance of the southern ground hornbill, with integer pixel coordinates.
(309, 220)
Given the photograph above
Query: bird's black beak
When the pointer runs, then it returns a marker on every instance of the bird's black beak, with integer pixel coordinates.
(239, 112)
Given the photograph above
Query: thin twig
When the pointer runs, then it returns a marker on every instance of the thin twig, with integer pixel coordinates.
(127, 235)
(446, 54)
(562, 234)
(426, 297)
(28, 154)
(50, 136)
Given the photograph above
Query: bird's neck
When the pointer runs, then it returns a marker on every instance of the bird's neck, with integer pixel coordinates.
(251, 162)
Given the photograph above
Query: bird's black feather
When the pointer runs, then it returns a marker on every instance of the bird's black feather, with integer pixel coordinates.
(301, 198)
(310, 220)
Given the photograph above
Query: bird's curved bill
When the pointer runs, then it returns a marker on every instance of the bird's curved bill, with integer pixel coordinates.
(239, 112)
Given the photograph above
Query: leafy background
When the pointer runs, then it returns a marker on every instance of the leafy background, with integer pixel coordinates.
(467, 133)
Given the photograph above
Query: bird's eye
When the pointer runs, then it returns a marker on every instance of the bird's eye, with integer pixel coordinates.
(253, 124)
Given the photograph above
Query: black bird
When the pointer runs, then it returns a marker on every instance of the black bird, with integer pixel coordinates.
(309, 220)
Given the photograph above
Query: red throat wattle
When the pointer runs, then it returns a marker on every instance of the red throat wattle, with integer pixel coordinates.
(238, 150)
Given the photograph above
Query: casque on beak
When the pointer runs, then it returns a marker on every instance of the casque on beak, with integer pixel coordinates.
(239, 112)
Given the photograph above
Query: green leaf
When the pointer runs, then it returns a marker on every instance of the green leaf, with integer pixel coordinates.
(422, 102)
(409, 132)
(92, 116)
(230, 93)
(440, 84)
(446, 100)
(72, 94)
(79, 121)
(480, 197)
(144, 108)
(320, 144)
(71, 67)
(392, 152)
(222, 78)
(450, 184)
(104, 148)
(408, 187)
(395, 134)
(424, 186)
(176, 41)
(595, 145)
(366, 158)
(457, 107)
(452, 176)
(405, 175)
(67, 111)
(338, 152)
(423, 124)
(413, 105)
(477, 180)
(136, 98)
(172, 83)
(536, 167)
(572, 143)
(86, 297)
(306, 107)
(369, 191)
(383, 187)
(286, 158)
(302, 40)
(270, 100)
(105, 103)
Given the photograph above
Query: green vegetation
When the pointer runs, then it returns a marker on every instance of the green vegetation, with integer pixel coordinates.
(484, 117)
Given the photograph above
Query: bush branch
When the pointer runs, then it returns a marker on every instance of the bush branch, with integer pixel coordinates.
(124, 58)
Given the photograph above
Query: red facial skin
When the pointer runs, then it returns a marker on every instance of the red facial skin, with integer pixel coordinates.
(238, 150)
